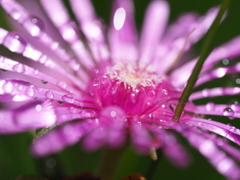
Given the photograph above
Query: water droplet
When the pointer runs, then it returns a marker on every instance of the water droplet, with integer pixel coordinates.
(54, 45)
(96, 82)
(205, 92)
(15, 42)
(15, 14)
(103, 80)
(43, 59)
(36, 71)
(209, 106)
(38, 107)
(164, 91)
(30, 91)
(72, 109)
(8, 87)
(62, 84)
(133, 97)
(151, 94)
(34, 26)
(49, 95)
(44, 82)
(68, 98)
(229, 113)
(200, 124)
(20, 68)
(74, 64)
(225, 61)
(115, 88)
(233, 129)
(229, 126)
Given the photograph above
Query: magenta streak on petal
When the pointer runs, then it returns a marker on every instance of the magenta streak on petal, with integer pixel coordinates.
(122, 32)
(67, 28)
(15, 66)
(12, 7)
(18, 87)
(214, 92)
(217, 158)
(91, 27)
(153, 28)
(20, 119)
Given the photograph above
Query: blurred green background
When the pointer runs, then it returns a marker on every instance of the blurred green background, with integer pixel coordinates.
(16, 160)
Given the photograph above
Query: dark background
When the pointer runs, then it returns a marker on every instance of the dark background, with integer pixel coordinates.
(15, 159)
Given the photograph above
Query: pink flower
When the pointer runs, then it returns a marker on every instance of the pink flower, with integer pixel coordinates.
(102, 88)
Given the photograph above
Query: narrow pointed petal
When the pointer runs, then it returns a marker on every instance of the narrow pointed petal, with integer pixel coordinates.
(214, 92)
(153, 28)
(122, 32)
(20, 119)
(68, 30)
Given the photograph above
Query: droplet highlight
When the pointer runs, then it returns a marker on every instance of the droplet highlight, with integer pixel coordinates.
(68, 98)
(15, 42)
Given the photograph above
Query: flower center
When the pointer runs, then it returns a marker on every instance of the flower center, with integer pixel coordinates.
(138, 91)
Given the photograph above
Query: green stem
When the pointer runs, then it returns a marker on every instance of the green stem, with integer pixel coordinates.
(207, 48)
(109, 163)
(154, 165)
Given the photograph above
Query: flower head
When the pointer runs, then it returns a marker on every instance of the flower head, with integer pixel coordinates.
(102, 88)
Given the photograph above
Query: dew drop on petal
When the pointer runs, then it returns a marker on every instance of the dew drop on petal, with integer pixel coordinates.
(72, 109)
(34, 25)
(96, 82)
(151, 94)
(15, 42)
(209, 106)
(113, 113)
(49, 95)
(62, 84)
(133, 97)
(8, 87)
(104, 80)
(164, 91)
(38, 107)
(15, 14)
(30, 91)
(36, 72)
(115, 88)
(228, 112)
(68, 98)
(119, 18)
(20, 68)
